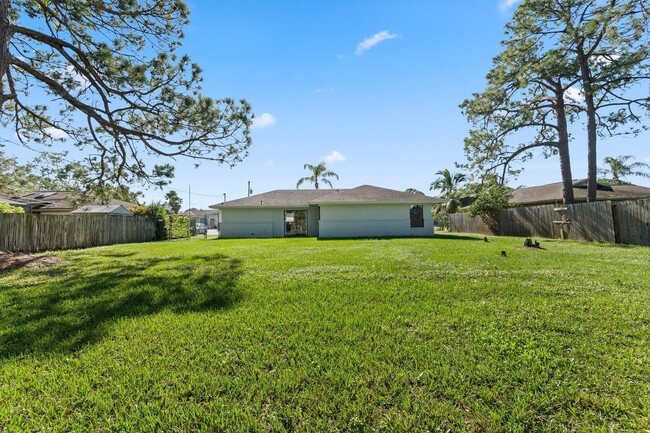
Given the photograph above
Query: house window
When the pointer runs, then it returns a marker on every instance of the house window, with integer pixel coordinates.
(417, 216)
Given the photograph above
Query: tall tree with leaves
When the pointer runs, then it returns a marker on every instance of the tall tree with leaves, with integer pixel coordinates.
(609, 43)
(118, 89)
(319, 173)
(174, 201)
(618, 168)
(561, 58)
(524, 108)
(54, 172)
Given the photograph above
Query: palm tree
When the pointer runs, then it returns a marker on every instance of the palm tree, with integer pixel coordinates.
(447, 183)
(319, 173)
(619, 168)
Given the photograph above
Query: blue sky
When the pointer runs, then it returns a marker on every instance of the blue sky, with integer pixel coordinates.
(372, 87)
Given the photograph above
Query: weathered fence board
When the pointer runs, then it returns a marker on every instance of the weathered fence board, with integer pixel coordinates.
(31, 232)
(632, 221)
(626, 222)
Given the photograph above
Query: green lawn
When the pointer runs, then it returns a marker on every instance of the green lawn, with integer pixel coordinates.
(401, 335)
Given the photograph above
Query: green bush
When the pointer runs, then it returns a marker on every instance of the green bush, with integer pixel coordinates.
(168, 226)
(177, 226)
(491, 199)
(7, 208)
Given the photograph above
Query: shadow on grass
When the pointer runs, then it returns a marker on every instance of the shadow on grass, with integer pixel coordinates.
(63, 308)
(458, 237)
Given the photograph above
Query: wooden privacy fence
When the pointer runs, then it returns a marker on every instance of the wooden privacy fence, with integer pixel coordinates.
(32, 232)
(626, 222)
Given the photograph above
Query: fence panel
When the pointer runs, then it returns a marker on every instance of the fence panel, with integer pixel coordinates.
(460, 222)
(632, 221)
(587, 222)
(591, 222)
(32, 232)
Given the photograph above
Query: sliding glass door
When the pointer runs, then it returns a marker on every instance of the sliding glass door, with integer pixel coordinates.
(295, 223)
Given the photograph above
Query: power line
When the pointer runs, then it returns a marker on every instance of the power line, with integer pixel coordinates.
(202, 195)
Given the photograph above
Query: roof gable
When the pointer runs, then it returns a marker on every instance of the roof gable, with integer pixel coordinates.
(104, 209)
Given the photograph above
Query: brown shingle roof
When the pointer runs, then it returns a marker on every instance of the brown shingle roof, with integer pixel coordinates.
(374, 194)
(279, 197)
(305, 197)
(552, 193)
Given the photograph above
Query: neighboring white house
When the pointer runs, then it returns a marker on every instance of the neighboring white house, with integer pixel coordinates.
(365, 211)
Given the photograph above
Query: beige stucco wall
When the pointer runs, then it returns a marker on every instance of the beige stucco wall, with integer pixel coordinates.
(371, 220)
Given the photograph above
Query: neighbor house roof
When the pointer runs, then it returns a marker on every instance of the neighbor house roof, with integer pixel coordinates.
(306, 197)
(552, 193)
(103, 209)
(8, 199)
(194, 212)
(54, 201)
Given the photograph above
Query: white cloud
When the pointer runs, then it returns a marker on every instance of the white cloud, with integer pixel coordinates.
(76, 76)
(370, 42)
(326, 90)
(56, 133)
(335, 156)
(505, 5)
(263, 121)
(574, 94)
(606, 60)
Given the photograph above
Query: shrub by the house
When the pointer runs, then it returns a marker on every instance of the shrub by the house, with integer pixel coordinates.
(7, 208)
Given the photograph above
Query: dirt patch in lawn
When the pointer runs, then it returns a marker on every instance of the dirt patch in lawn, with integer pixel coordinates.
(9, 260)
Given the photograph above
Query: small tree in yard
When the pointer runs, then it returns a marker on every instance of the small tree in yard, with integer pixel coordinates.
(492, 198)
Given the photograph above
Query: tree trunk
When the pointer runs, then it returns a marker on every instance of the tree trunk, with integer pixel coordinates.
(563, 147)
(587, 88)
(6, 30)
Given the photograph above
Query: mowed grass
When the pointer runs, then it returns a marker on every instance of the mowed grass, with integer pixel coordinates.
(306, 335)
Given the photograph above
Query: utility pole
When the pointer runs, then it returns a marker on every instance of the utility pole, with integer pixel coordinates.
(189, 211)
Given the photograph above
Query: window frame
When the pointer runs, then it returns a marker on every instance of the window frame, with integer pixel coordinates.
(418, 218)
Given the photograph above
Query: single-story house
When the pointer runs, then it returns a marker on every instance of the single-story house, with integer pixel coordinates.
(365, 211)
(102, 209)
(553, 192)
(210, 217)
